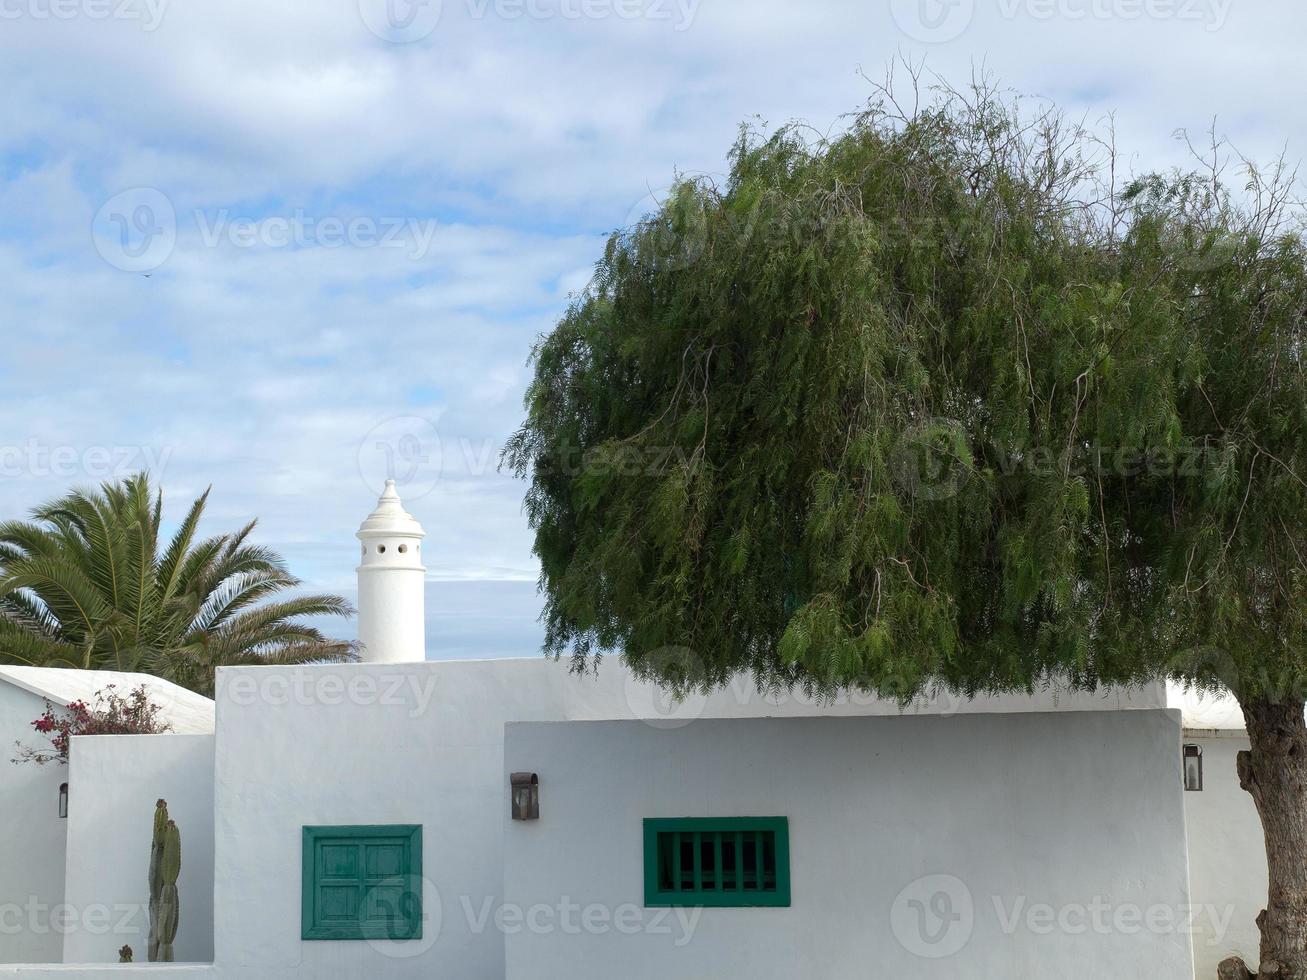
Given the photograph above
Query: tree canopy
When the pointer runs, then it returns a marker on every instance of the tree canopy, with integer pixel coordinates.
(88, 583)
(939, 399)
(944, 400)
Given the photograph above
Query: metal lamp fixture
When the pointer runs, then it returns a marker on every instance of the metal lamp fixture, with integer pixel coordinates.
(526, 795)
(1193, 768)
(63, 800)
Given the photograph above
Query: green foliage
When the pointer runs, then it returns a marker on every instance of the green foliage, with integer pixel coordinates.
(924, 403)
(88, 583)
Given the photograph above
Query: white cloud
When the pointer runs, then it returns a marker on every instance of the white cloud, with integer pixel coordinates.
(522, 141)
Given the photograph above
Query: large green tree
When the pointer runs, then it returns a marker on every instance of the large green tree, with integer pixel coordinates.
(88, 583)
(942, 401)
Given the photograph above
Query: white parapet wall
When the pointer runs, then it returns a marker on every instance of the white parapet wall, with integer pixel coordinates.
(116, 971)
(118, 778)
(32, 844)
(934, 848)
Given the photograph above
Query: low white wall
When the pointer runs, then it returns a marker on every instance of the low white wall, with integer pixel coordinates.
(968, 847)
(132, 971)
(32, 841)
(118, 778)
(424, 743)
(1227, 860)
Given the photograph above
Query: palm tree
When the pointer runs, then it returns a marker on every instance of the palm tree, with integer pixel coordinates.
(84, 585)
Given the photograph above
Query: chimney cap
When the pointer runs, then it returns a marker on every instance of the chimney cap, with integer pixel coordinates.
(390, 517)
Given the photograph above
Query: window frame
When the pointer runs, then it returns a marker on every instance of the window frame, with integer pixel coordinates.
(410, 927)
(655, 897)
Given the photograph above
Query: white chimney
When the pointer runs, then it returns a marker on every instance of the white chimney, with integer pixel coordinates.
(392, 618)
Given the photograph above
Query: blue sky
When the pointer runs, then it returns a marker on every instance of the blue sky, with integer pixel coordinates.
(279, 247)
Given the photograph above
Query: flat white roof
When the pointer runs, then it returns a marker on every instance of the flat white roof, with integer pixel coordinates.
(613, 693)
(1211, 712)
(187, 712)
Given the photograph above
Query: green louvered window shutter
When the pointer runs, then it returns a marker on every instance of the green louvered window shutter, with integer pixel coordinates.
(717, 862)
(362, 882)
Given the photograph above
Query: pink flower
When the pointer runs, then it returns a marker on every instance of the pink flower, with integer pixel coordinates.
(112, 714)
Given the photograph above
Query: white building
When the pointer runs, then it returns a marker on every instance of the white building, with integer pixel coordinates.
(43, 822)
(327, 810)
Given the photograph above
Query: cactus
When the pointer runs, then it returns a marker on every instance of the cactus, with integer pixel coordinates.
(165, 864)
(156, 875)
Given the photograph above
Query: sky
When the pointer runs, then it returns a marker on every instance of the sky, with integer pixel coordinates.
(286, 249)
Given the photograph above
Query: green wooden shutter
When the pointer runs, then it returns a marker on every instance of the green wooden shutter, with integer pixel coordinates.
(362, 882)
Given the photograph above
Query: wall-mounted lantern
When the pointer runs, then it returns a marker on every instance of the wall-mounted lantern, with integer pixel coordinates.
(526, 795)
(63, 800)
(1193, 768)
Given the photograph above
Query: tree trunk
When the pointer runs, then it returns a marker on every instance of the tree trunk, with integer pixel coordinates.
(1274, 771)
(1233, 969)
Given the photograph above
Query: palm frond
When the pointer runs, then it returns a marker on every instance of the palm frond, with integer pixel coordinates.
(180, 547)
(83, 584)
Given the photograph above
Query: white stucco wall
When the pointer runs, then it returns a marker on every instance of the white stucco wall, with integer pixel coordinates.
(132, 971)
(118, 780)
(1011, 830)
(32, 843)
(1227, 862)
(424, 743)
